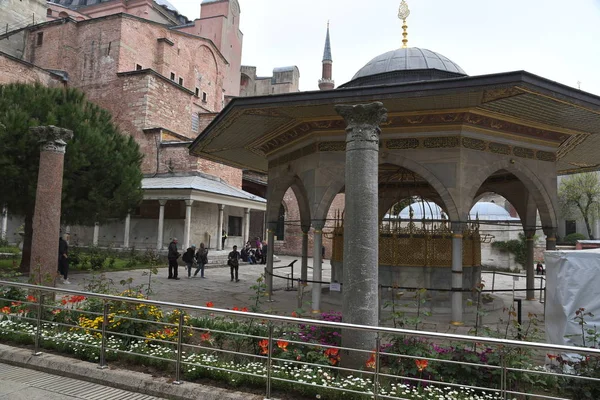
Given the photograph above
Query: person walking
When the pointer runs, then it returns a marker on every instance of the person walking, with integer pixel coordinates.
(173, 255)
(189, 258)
(201, 259)
(264, 252)
(63, 259)
(223, 239)
(233, 260)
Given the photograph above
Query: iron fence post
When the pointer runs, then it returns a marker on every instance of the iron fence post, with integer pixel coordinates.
(377, 366)
(38, 331)
(300, 293)
(269, 362)
(103, 344)
(493, 280)
(177, 380)
(502, 373)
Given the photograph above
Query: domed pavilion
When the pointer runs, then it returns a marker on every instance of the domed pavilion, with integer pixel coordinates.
(411, 123)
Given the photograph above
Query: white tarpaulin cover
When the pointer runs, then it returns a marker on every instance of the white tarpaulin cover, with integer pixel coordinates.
(573, 281)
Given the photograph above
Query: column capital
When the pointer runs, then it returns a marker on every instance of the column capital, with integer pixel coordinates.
(318, 224)
(162, 203)
(52, 138)
(363, 121)
(246, 211)
(221, 207)
(305, 229)
(189, 203)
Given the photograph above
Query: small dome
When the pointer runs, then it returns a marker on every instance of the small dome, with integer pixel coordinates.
(484, 210)
(406, 65)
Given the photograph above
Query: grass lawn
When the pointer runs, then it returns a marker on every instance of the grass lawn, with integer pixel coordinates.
(9, 264)
(10, 250)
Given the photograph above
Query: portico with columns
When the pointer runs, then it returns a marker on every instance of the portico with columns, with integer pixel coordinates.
(193, 208)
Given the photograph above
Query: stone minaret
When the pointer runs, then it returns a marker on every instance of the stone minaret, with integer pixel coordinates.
(326, 82)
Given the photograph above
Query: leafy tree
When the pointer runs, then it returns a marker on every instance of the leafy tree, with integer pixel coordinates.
(579, 197)
(102, 177)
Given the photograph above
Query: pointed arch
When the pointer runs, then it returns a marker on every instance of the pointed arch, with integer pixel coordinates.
(537, 190)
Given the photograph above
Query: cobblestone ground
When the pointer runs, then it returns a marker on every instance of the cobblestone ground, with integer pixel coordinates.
(218, 288)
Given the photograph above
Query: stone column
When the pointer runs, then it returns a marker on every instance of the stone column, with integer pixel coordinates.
(361, 230)
(550, 238)
(188, 224)
(127, 231)
(96, 234)
(4, 223)
(220, 228)
(317, 266)
(161, 224)
(529, 264)
(457, 275)
(46, 216)
(246, 232)
(304, 266)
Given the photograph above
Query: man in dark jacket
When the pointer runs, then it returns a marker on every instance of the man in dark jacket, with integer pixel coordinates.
(173, 255)
(63, 259)
(233, 260)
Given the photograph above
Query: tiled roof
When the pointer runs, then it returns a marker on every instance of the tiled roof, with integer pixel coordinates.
(200, 183)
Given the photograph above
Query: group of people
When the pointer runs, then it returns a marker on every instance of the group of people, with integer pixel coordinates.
(192, 258)
(252, 253)
(255, 253)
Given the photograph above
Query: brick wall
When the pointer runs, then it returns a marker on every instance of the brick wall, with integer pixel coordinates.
(292, 243)
(14, 70)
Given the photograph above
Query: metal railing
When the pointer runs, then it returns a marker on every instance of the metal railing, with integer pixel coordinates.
(384, 370)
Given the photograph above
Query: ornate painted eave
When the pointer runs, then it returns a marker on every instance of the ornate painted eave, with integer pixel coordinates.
(517, 107)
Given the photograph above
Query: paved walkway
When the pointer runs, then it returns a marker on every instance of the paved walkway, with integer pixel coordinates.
(217, 288)
(27, 384)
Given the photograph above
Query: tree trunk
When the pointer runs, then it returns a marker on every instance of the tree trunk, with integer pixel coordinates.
(25, 267)
(587, 226)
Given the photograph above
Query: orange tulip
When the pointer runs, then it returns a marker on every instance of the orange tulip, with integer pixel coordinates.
(282, 344)
(31, 299)
(371, 361)
(245, 309)
(264, 346)
(210, 304)
(421, 364)
(5, 310)
(205, 337)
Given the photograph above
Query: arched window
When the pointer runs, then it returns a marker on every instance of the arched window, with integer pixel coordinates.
(49, 12)
(280, 230)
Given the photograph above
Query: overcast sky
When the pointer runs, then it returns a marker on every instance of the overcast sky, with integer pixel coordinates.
(558, 40)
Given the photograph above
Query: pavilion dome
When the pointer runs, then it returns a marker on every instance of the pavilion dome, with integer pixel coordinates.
(406, 65)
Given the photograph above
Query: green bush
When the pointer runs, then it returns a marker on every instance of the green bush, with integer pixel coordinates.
(573, 238)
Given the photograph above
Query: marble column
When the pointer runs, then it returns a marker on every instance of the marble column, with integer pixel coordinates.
(220, 228)
(457, 275)
(161, 224)
(246, 232)
(317, 266)
(127, 232)
(304, 266)
(270, 251)
(46, 217)
(550, 238)
(187, 229)
(96, 234)
(361, 230)
(529, 264)
(4, 223)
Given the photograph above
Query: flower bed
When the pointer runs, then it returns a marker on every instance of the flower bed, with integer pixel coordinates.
(305, 357)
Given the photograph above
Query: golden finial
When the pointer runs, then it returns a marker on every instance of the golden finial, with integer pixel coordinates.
(403, 13)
